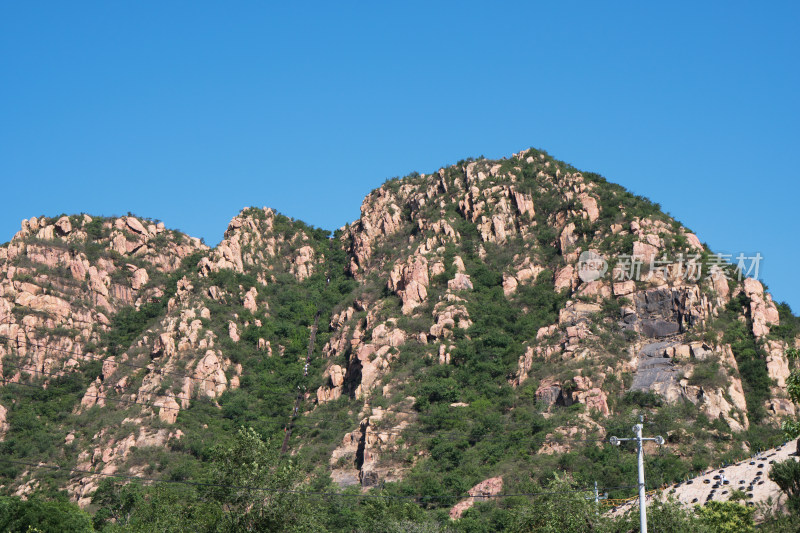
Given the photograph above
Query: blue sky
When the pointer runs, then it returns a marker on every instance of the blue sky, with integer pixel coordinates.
(189, 111)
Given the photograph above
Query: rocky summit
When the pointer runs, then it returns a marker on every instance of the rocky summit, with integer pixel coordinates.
(472, 340)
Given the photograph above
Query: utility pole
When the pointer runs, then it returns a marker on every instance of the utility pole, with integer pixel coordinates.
(597, 497)
(637, 430)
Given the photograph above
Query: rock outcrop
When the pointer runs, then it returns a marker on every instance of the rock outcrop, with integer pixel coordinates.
(473, 274)
(483, 491)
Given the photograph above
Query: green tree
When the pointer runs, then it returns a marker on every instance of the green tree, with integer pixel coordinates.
(792, 427)
(786, 475)
(36, 514)
(258, 488)
(726, 517)
(664, 517)
(563, 511)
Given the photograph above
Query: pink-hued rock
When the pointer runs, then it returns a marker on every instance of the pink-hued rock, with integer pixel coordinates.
(780, 407)
(410, 281)
(567, 239)
(528, 271)
(233, 331)
(3, 423)
(546, 331)
(694, 242)
(777, 362)
(139, 278)
(78, 268)
(624, 288)
(510, 284)
(589, 206)
(444, 355)
(45, 303)
(337, 374)
(388, 336)
(163, 345)
(594, 399)
(92, 395)
(328, 394)
(371, 366)
(109, 367)
(210, 376)
(753, 287)
(595, 289)
(460, 282)
(572, 432)
(523, 367)
(548, 393)
(720, 283)
(482, 491)
(644, 252)
(63, 226)
(303, 263)
(169, 410)
(381, 216)
(135, 225)
(449, 314)
(524, 203)
(250, 300)
(763, 311)
(437, 268)
(565, 278)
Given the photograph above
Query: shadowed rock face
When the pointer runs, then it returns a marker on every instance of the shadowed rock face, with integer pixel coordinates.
(664, 312)
(654, 367)
(659, 328)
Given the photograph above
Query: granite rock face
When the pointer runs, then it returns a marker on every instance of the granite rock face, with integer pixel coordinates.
(475, 266)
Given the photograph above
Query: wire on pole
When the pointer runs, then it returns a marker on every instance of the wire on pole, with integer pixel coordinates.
(616, 441)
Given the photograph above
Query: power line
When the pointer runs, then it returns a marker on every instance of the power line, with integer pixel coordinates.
(465, 433)
(298, 492)
(412, 433)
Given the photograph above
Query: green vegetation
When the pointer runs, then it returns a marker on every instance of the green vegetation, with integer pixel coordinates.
(40, 418)
(750, 357)
(236, 479)
(129, 323)
(789, 328)
(37, 514)
(249, 487)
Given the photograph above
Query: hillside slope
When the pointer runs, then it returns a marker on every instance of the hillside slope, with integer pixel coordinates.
(492, 320)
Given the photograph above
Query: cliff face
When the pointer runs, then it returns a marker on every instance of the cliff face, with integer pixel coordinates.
(486, 299)
(63, 280)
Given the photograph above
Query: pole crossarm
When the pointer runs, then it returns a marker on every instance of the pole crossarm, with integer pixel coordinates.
(659, 440)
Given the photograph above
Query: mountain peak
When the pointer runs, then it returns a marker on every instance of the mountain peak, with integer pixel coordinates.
(516, 296)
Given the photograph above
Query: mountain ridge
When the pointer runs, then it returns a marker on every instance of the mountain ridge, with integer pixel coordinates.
(459, 303)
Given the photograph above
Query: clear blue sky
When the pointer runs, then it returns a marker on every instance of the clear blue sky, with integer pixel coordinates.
(189, 111)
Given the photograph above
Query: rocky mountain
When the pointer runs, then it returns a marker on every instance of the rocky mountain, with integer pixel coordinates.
(474, 331)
